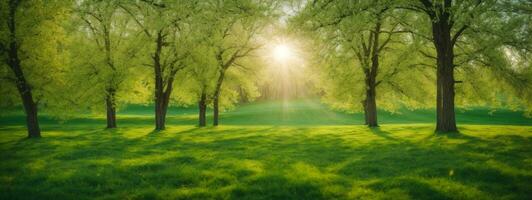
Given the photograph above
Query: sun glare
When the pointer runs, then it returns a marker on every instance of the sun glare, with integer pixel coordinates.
(282, 52)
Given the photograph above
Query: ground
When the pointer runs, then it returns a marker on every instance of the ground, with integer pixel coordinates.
(303, 152)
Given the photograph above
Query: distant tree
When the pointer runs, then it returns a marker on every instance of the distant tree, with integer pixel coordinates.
(201, 78)
(234, 26)
(202, 75)
(30, 47)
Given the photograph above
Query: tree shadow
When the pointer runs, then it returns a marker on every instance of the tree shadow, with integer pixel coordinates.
(256, 163)
(384, 134)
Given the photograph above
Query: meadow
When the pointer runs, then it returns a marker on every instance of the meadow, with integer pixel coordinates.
(269, 150)
(90, 89)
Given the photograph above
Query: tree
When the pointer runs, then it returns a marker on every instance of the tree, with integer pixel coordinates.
(234, 27)
(368, 32)
(164, 24)
(105, 50)
(202, 75)
(463, 27)
(30, 41)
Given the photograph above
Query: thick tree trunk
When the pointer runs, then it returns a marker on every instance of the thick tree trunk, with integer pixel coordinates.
(161, 106)
(445, 115)
(202, 106)
(370, 107)
(216, 98)
(447, 120)
(111, 108)
(24, 89)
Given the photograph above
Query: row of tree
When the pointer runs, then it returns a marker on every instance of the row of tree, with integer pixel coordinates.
(82, 54)
(478, 48)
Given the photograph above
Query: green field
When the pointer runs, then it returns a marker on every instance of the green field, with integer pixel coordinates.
(269, 150)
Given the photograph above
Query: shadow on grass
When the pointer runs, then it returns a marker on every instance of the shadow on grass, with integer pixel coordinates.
(267, 163)
(381, 133)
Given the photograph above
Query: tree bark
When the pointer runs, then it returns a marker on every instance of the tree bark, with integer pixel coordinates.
(24, 89)
(371, 79)
(111, 108)
(371, 106)
(163, 89)
(202, 106)
(110, 100)
(364, 103)
(441, 30)
(160, 111)
(217, 97)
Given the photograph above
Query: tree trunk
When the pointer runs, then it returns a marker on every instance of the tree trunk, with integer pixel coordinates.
(371, 108)
(30, 108)
(364, 103)
(445, 115)
(159, 115)
(371, 79)
(111, 91)
(202, 105)
(447, 120)
(216, 98)
(161, 106)
(111, 108)
(160, 110)
(24, 89)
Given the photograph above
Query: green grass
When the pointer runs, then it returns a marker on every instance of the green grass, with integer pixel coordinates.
(293, 113)
(303, 151)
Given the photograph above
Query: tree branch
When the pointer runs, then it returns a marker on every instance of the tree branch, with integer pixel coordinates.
(457, 34)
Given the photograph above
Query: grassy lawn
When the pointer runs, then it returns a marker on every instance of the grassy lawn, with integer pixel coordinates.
(269, 151)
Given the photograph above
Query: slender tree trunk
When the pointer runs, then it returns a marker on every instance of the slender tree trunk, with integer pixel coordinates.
(24, 89)
(111, 108)
(110, 100)
(159, 94)
(30, 108)
(445, 115)
(371, 108)
(217, 97)
(364, 103)
(202, 106)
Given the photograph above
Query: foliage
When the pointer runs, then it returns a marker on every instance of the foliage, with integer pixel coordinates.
(105, 52)
(42, 50)
(492, 50)
(343, 31)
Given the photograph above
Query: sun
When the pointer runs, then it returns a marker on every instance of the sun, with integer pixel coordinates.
(282, 52)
